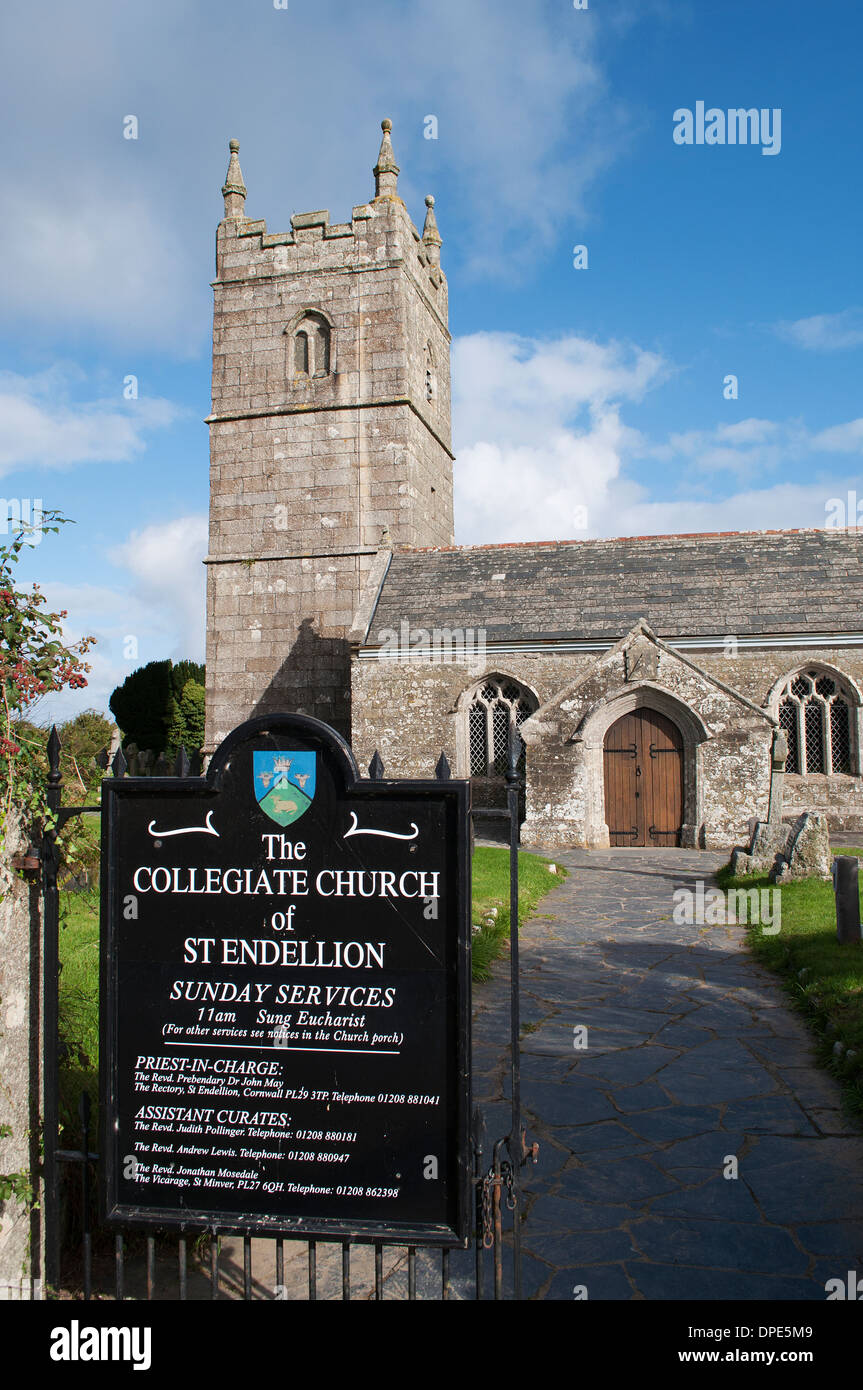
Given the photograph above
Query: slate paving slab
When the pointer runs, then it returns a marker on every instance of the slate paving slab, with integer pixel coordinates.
(716, 1198)
(566, 1102)
(608, 1137)
(720, 1245)
(693, 1056)
(607, 1179)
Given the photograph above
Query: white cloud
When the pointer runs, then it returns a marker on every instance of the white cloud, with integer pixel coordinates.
(742, 448)
(165, 561)
(114, 260)
(515, 493)
(824, 332)
(538, 433)
(40, 426)
(540, 436)
(506, 384)
(109, 615)
(786, 506)
(753, 446)
(748, 431)
(841, 439)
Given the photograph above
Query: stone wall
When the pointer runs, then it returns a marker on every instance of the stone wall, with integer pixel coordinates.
(838, 798)
(410, 710)
(277, 639)
(20, 1072)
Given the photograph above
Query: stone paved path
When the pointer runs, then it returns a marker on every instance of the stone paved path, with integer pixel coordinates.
(693, 1055)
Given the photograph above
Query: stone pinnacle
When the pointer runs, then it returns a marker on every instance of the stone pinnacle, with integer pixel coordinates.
(386, 171)
(234, 190)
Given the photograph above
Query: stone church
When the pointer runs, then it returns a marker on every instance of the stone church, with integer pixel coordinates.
(668, 689)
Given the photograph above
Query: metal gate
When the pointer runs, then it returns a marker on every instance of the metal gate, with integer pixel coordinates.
(163, 1267)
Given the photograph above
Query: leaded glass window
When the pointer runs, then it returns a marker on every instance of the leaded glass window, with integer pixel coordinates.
(499, 705)
(815, 715)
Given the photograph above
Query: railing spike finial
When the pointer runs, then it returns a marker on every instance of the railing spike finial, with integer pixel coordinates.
(442, 770)
(376, 767)
(54, 774)
(119, 766)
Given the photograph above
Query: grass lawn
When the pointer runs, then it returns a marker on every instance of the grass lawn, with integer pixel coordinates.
(79, 1003)
(491, 899)
(823, 979)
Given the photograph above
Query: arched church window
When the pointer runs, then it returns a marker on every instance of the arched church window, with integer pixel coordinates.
(312, 346)
(496, 707)
(815, 715)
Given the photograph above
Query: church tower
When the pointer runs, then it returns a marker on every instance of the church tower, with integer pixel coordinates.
(329, 439)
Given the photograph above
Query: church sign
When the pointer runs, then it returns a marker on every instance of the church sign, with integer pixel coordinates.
(285, 995)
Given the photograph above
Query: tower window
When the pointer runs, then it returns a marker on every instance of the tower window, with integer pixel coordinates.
(431, 384)
(311, 350)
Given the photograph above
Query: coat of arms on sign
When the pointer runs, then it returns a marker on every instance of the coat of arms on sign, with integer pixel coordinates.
(284, 784)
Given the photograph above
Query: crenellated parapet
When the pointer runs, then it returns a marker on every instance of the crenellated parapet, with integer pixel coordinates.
(378, 230)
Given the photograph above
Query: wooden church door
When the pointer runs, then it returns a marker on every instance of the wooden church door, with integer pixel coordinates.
(643, 763)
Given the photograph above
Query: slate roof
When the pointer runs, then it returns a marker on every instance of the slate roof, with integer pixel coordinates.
(749, 584)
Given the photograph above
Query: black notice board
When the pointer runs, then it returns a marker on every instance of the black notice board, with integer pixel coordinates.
(285, 995)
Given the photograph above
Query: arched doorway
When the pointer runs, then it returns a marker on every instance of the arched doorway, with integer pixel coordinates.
(643, 767)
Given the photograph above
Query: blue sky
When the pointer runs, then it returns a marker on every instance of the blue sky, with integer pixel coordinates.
(592, 398)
